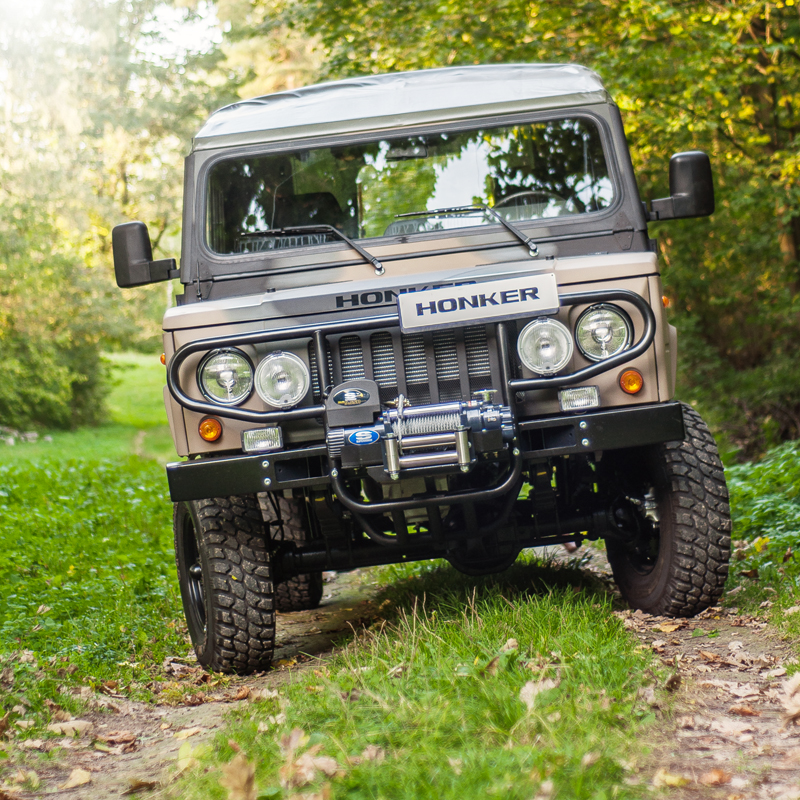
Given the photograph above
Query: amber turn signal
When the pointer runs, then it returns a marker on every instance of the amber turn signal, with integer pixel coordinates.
(163, 358)
(631, 381)
(210, 429)
(666, 301)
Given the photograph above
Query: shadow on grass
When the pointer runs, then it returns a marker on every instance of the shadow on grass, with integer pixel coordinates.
(442, 586)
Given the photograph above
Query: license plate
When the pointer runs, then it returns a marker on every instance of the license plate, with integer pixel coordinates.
(492, 301)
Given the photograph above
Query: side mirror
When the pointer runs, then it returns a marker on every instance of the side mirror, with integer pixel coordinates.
(690, 186)
(133, 257)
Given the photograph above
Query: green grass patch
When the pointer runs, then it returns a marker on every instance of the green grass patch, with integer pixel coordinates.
(86, 576)
(765, 566)
(87, 570)
(430, 702)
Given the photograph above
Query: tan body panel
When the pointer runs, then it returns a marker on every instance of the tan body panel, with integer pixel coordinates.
(636, 272)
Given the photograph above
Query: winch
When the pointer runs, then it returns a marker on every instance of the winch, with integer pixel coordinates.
(408, 437)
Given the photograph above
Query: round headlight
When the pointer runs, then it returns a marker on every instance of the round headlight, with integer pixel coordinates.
(545, 346)
(225, 377)
(282, 379)
(603, 331)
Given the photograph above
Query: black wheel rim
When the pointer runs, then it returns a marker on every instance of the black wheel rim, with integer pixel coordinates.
(193, 580)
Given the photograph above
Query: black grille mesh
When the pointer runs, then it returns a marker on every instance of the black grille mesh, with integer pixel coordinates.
(434, 367)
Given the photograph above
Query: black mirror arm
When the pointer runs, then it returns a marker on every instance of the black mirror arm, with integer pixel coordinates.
(662, 208)
(163, 270)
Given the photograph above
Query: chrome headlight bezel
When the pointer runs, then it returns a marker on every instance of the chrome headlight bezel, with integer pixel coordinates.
(201, 384)
(534, 328)
(298, 395)
(624, 319)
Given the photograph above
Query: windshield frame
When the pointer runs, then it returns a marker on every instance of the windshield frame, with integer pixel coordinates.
(269, 261)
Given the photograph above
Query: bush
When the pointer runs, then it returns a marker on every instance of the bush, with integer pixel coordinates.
(52, 311)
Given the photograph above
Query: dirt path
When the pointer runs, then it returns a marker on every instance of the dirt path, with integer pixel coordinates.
(152, 734)
(721, 730)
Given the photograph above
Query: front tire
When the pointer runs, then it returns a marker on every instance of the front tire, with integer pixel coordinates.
(225, 578)
(678, 566)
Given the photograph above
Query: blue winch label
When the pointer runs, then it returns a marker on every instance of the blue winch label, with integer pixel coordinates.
(351, 397)
(366, 436)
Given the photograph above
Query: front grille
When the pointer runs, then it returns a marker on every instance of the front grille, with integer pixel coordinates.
(434, 367)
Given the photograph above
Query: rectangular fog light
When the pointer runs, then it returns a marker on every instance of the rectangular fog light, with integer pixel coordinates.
(261, 439)
(579, 398)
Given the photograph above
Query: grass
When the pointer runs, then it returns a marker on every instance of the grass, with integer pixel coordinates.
(428, 702)
(87, 569)
(765, 569)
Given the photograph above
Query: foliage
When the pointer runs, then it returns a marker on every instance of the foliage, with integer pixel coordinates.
(51, 324)
(765, 502)
(431, 704)
(724, 77)
(86, 576)
(97, 108)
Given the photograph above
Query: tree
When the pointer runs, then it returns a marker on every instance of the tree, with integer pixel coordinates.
(97, 109)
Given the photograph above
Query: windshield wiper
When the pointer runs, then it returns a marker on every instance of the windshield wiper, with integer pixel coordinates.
(533, 248)
(379, 268)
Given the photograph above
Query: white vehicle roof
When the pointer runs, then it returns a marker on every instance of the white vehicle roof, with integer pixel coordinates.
(401, 99)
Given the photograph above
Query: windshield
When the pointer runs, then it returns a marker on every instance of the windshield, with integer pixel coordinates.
(525, 172)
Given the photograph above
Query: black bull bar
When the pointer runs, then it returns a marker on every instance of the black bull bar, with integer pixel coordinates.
(227, 475)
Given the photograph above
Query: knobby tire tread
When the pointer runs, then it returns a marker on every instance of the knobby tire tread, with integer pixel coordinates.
(698, 525)
(241, 606)
(701, 520)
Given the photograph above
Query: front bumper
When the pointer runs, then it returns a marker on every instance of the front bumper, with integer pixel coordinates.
(538, 439)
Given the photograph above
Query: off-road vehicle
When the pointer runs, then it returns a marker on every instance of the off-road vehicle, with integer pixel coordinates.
(422, 318)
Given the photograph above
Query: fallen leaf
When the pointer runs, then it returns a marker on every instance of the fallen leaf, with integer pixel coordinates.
(456, 764)
(589, 759)
(791, 700)
(78, 777)
(664, 778)
(297, 738)
(532, 689)
(744, 710)
(187, 732)
(118, 737)
(791, 610)
(373, 753)
(137, 785)
(242, 694)
(775, 673)
(511, 644)
(74, 727)
(717, 777)
(239, 779)
(730, 727)
(491, 667)
(669, 627)
(43, 609)
(744, 690)
(262, 694)
(750, 573)
(708, 656)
